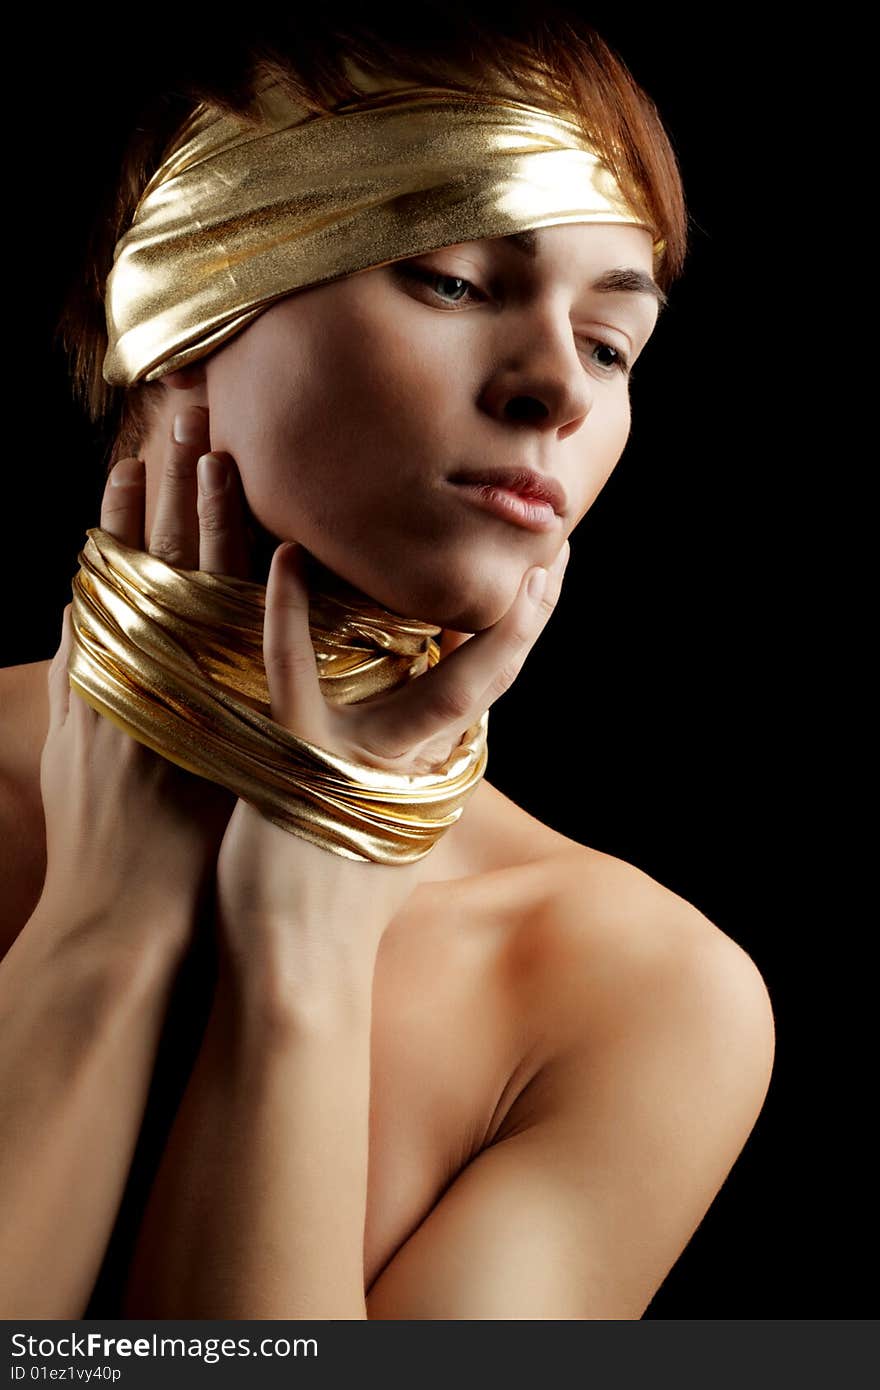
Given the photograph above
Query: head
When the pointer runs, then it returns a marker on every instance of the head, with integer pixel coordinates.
(347, 406)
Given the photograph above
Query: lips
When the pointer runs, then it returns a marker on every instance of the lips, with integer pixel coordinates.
(535, 487)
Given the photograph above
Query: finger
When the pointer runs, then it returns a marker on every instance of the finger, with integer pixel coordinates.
(122, 507)
(223, 547)
(288, 653)
(508, 644)
(451, 641)
(457, 692)
(174, 536)
(57, 678)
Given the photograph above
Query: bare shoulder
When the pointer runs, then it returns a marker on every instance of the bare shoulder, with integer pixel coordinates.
(24, 717)
(599, 936)
(652, 1051)
(656, 1051)
(24, 713)
(611, 942)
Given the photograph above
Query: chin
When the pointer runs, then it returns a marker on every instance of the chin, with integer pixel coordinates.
(454, 593)
(447, 606)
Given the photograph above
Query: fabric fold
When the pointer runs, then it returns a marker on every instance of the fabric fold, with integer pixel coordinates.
(171, 656)
(242, 212)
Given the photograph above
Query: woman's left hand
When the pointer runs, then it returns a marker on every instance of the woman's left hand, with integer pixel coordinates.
(271, 880)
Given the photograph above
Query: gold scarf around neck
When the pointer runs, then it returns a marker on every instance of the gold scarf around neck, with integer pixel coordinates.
(171, 656)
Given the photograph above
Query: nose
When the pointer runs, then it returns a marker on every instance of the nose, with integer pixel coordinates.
(540, 378)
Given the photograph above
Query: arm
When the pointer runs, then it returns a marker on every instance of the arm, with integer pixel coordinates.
(608, 1161)
(80, 1017)
(263, 1184)
(259, 1205)
(84, 988)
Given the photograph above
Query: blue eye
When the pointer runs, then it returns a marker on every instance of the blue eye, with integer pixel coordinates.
(431, 277)
(434, 277)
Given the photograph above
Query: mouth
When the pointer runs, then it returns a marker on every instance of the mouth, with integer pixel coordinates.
(520, 482)
(520, 510)
(516, 495)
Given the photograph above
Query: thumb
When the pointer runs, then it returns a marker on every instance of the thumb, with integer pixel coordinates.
(288, 654)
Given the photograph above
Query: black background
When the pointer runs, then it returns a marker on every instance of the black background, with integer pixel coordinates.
(679, 710)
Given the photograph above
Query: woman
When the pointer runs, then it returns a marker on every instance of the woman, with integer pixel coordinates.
(502, 1079)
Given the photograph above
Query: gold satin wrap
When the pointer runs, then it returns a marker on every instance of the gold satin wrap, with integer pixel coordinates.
(168, 654)
(237, 215)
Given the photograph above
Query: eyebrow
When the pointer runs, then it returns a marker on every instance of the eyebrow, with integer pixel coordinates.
(624, 278)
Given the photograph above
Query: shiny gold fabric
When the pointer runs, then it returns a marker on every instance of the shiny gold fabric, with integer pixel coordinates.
(239, 215)
(171, 656)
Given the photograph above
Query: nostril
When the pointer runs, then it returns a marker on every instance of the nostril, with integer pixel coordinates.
(525, 408)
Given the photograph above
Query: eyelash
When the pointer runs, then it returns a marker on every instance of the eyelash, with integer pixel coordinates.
(422, 274)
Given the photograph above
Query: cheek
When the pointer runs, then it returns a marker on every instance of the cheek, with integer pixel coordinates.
(272, 409)
(385, 380)
(604, 449)
(357, 380)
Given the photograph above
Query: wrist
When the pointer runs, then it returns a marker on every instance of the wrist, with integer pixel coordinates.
(284, 976)
(119, 937)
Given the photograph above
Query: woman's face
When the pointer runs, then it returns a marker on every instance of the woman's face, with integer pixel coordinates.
(348, 406)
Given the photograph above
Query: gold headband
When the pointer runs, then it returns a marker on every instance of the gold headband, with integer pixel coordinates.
(239, 215)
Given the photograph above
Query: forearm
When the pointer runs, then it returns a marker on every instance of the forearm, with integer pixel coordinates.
(259, 1206)
(80, 1019)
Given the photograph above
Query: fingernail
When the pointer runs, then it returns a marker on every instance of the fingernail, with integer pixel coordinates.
(537, 584)
(188, 427)
(127, 471)
(212, 474)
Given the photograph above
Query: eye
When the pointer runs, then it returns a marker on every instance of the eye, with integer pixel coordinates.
(433, 277)
(621, 362)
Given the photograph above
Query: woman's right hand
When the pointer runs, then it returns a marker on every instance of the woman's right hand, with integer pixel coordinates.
(131, 838)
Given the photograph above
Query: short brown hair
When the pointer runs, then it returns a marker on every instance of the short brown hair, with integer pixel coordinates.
(307, 57)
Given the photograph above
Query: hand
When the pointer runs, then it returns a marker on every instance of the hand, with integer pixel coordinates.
(130, 837)
(272, 881)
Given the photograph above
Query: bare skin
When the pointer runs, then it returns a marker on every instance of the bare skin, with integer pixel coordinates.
(513, 980)
(522, 966)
